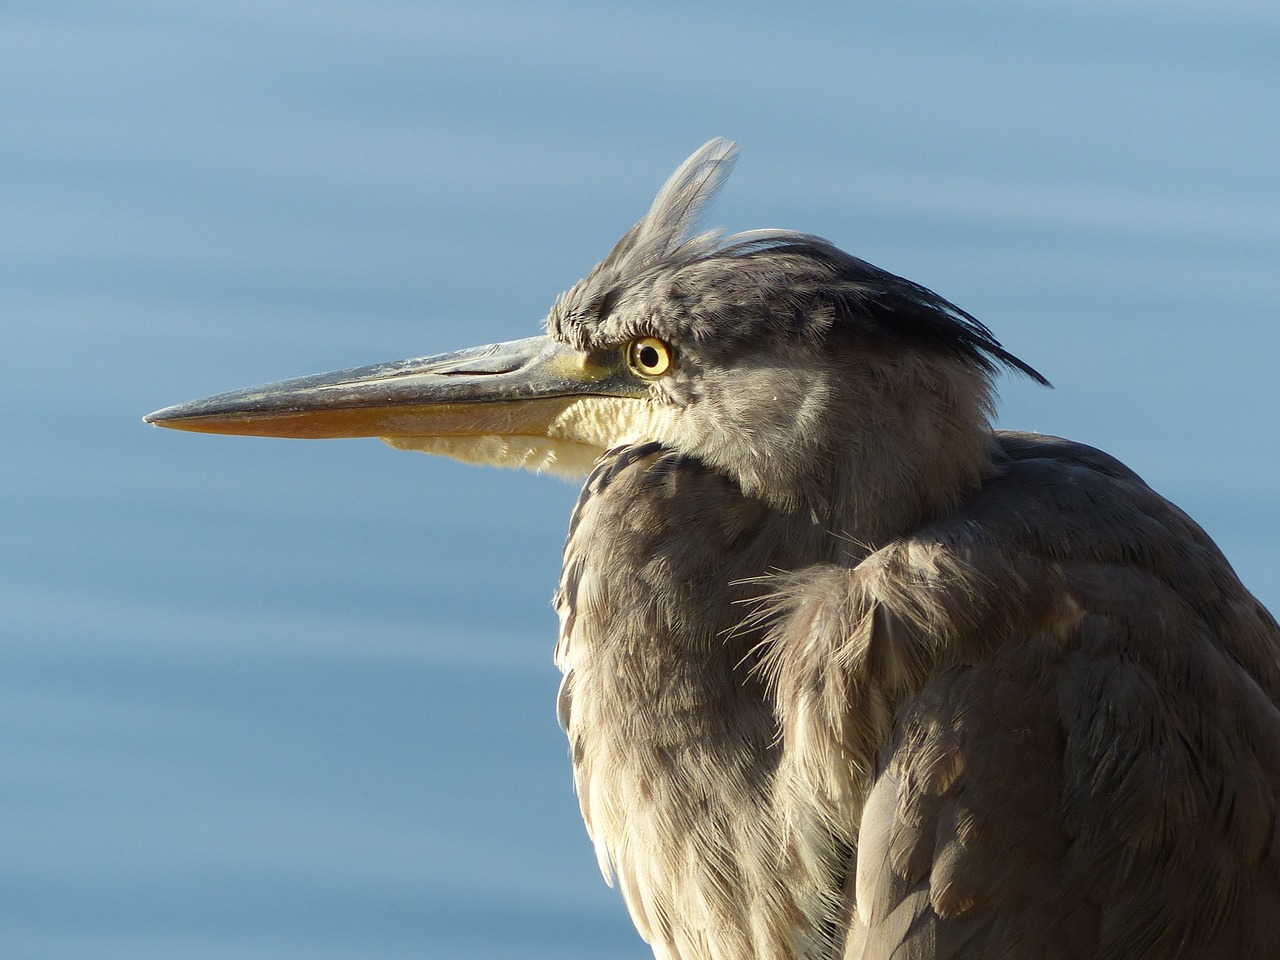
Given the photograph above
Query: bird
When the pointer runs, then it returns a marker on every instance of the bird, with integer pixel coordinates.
(849, 674)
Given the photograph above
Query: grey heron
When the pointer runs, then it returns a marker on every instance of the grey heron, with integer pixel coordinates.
(848, 673)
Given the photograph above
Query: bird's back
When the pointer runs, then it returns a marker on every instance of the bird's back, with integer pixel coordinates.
(1105, 786)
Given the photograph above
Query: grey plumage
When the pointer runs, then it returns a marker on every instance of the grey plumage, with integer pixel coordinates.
(847, 674)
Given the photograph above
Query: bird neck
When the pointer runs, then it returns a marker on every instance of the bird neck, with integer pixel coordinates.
(903, 440)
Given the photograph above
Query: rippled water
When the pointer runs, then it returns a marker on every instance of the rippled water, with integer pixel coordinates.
(277, 699)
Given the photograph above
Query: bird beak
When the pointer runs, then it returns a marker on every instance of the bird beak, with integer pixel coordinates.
(516, 389)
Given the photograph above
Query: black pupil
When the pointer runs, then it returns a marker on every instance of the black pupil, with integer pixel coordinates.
(648, 357)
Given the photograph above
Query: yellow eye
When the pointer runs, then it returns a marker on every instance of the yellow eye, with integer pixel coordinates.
(650, 357)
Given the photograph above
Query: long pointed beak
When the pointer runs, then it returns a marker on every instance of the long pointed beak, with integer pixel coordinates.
(508, 389)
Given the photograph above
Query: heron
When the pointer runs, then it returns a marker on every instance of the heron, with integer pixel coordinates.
(847, 672)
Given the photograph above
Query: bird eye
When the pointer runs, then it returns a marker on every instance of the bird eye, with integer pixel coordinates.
(650, 357)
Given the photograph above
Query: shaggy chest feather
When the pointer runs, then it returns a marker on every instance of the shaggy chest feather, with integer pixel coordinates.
(672, 730)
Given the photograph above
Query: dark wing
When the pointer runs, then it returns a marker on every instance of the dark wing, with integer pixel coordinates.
(1064, 705)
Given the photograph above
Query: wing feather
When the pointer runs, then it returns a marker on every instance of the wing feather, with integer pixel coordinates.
(1060, 708)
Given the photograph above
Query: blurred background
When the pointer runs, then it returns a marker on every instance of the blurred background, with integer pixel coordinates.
(278, 699)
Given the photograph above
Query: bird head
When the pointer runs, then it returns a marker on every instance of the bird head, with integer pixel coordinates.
(813, 379)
